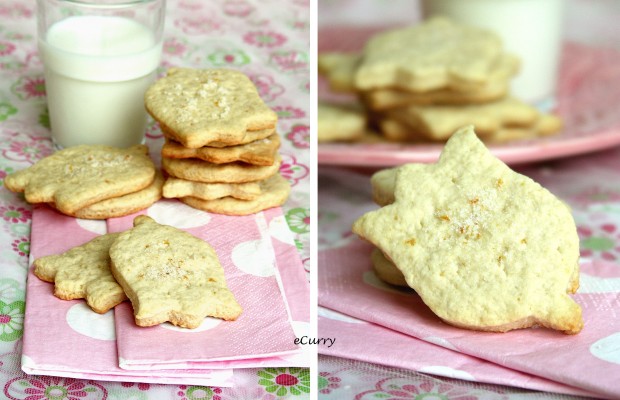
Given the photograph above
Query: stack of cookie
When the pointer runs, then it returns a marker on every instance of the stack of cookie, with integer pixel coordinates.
(221, 150)
(424, 82)
(91, 181)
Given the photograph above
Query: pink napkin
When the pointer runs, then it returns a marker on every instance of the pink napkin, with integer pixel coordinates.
(65, 338)
(589, 361)
(260, 261)
(396, 349)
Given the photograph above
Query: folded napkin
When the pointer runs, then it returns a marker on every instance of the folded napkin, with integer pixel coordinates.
(262, 267)
(398, 350)
(66, 338)
(260, 260)
(589, 361)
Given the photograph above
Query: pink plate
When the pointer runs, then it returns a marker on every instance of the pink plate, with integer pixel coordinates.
(588, 100)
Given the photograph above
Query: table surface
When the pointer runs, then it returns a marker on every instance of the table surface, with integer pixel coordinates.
(266, 39)
(589, 183)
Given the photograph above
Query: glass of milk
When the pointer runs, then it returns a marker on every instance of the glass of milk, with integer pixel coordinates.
(530, 29)
(100, 56)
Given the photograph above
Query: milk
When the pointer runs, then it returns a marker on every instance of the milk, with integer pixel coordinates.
(530, 29)
(97, 70)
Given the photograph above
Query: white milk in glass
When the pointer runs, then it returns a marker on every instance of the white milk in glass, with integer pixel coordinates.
(97, 70)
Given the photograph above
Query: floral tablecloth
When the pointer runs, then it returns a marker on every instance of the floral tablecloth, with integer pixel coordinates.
(266, 39)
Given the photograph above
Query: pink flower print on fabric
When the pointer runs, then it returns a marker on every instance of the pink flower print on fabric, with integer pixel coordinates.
(29, 87)
(285, 381)
(199, 25)
(289, 61)
(600, 241)
(6, 48)
(199, 392)
(28, 149)
(21, 246)
(52, 387)
(299, 135)
(141, 386)
(228, 58)
(11, 320)
(288, 112)
(267, 39)
(327, 382)
(174, 46)
(15, 214)
(238, 8)
(291, 170)
(16, 10)
(267, 88)
(396, 389)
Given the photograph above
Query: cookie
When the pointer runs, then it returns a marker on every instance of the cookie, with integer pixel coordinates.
(439, 122)
(274, 192)
(76, 177)
(170, 275)
(83, 272)
(124, 205)
(212, 105)
(193, 169)
(386, 270)
(485, 247)
(545, 125)
(433, 55)
(338, 123)
(382, 183)
(249, 137)
(258, 152)
(177, 188)
(339, 70)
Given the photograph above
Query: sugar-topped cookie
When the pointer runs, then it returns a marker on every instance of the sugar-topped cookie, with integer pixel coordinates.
(485, 247)
(79, 176)
(170, 275)
(199, 106)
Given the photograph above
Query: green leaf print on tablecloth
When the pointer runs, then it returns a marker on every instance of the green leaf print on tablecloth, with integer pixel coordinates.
(285, 381)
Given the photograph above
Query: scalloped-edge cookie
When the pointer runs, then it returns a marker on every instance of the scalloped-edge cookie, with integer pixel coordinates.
(200, 106)
(274, 192)
(170, 275)
(79, 176)
(259, 152)
(338, 123)
(435, 54)
(123, 205)
(386, 270)
(83, 272)
(485, 247)
(194, 169)
(177, 188)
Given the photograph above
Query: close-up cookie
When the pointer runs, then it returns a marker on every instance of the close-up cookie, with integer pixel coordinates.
(274, 192)
(432, 55)
(177, 188)
(76, 177)
(258, 152)
(386, 270)
(209, 105)
(83, 272)
(170, 275)
(383, 182)
(337, 123)
(485, 247)
(201, 171)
